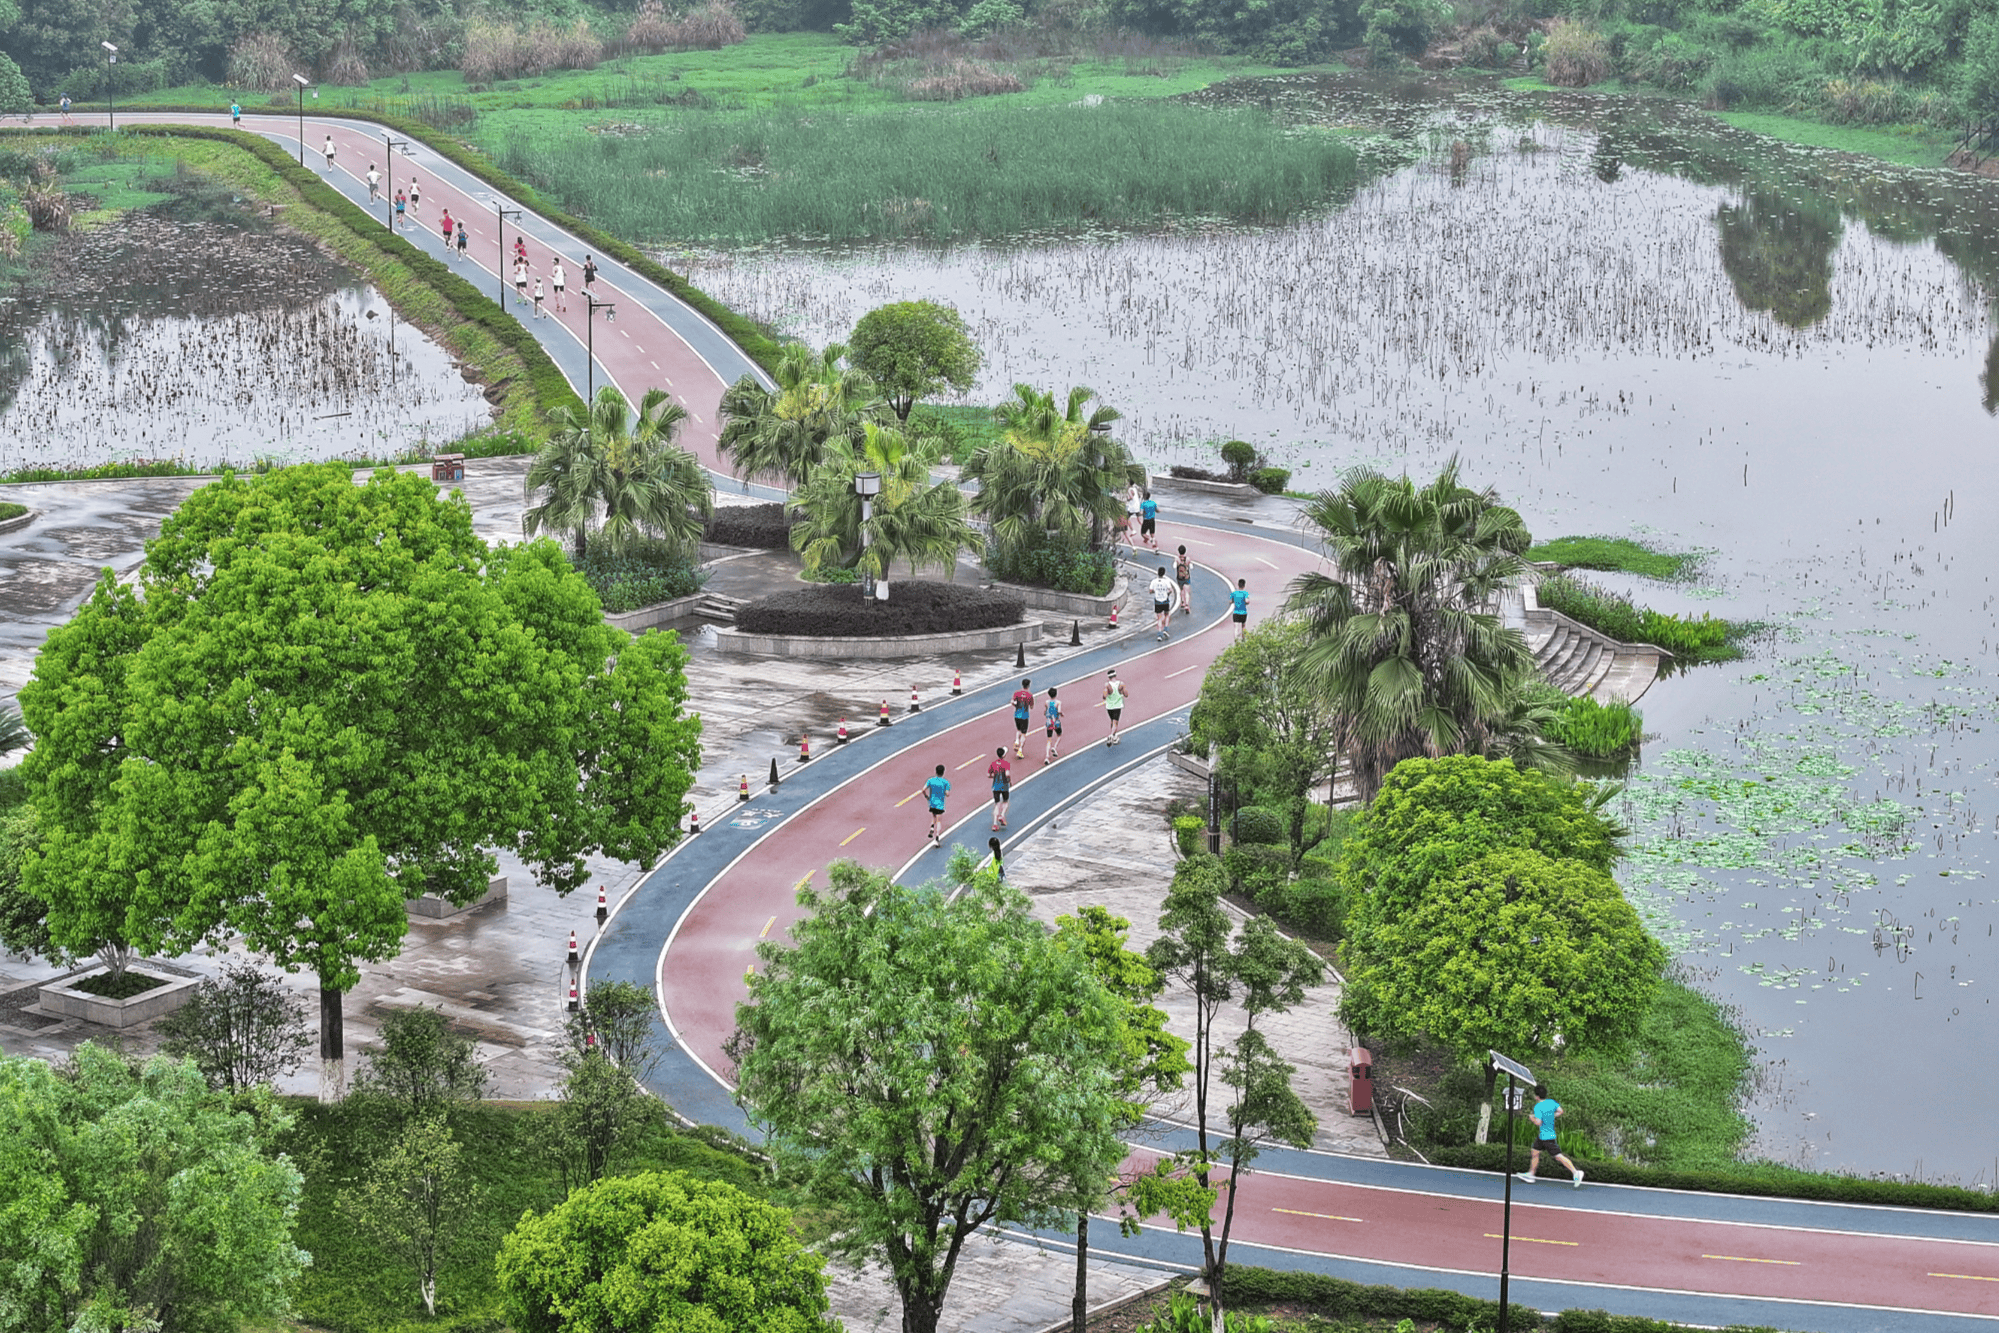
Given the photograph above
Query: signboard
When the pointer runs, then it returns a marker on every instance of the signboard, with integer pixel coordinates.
(1508, 1065)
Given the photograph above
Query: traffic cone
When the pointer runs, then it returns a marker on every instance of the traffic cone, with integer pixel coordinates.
(743, 792)
(1113, 624)
(883, 720)
(573, 955)
(574, 1003)
(774, 779)
(957, 685)
(914, 705)
(841, 735)
(804, 748)
(1019, 656)
(603, 905)
(1075, 634)
(693, 822)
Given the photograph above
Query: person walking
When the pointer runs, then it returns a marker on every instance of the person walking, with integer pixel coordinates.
(329, 152)
(1546, 1112)
(402, 202)
(1001, 772)
(65, 110)
(416, 196)
(1239, 608)
(589, 275)
(937, 788)
(1113, 701)
(1023, 712)
(557, 281)
(1162, 605)
(463, 240)
(1183, 575)
(235, 115)
(448, 225)
(537, 296)
(374, 184)
(1052, 722)
(1148, 521)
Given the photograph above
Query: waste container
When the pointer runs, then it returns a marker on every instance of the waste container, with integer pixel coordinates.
(447, 467)
(1360, 1076)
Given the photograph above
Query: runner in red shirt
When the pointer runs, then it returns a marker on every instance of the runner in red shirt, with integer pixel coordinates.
(1023, 713)
(1001, 772)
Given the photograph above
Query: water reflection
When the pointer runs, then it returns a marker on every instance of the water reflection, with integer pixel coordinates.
(1778, 255)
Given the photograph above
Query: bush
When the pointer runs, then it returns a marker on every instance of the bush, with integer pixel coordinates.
(913, 607)
(262, 61)
(1255, 869)
(644, 573)
(1315, 908)
(241, 1029)
(1185, 473)
(1602, 731)
(1270, 480)
(1241, 456)
(421, 1064)
(1576, 55)
(1189, 831)
(1259, 824)
(1063, 568)
(707, 28)
(1484, 48)
(764, 527)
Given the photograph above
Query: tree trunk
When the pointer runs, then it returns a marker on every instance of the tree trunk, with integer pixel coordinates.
(430, 1294)
(1485, 1107)
(332, 1047)
(1079, 1308)
(920, 1312)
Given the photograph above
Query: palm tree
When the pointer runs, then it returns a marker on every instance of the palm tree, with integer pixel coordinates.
(1054, 475)
(1404, 634)
(14, 733)
(603, 472)
(783, 432)
(921, 521)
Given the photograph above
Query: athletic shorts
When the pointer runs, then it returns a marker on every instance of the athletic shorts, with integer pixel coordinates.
(1054, 728)
(1000, 794)
(1240, 617)
(1115, 713)
(1147, 527)
(1020, 725)
(1181, 579)
(1546, 1145)
(1159, 608)
(936, 809)
(558, 289)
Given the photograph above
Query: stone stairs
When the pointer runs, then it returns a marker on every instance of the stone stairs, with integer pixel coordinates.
(719, 606)
(1577, 659)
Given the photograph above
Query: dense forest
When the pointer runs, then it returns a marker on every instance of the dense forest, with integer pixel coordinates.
(1933, 62)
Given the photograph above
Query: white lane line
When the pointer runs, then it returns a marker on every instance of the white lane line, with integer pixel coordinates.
(1184, 670)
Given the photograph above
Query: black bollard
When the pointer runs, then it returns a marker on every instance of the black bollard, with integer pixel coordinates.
(773, 775)
(1019, 656)
(1075, 634)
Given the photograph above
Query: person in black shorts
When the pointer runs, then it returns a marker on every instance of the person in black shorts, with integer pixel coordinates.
(1053, 724)
(1023, 713)
(1001, 772)
(1239, 607)
(1183, 574)
(589, 274)
(462, 238)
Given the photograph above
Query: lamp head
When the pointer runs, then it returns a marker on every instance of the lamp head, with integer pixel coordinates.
(610, 314)
(301, 80)
(109, 47)
(867, 485)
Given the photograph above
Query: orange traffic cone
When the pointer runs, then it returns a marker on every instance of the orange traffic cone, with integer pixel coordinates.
(743, 792)
(574, 1004)
(603, 905)
(572, 948)
(804, 748)
(914, 705)
(693, 821)
(883, 721)
(1113, 624)
(841, 735)
(957, 685)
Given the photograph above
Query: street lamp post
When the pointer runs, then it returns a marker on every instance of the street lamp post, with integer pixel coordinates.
(110, 87)
(389, 145)
(1514, 1070)
(867, 485)
(303, 83)
(505, 213)
(610, 309)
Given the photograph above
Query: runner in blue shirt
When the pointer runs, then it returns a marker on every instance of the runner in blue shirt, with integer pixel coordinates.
(937, 789)
(1545, 1112)
(1052, 713)
(1239, 599)
(1148, 520)
(236, 115)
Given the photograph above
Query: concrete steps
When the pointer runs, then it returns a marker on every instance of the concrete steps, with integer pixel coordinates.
(719, 606)
(1576, 659)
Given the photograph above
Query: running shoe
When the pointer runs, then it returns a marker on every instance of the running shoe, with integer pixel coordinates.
(1524, 1176)
(1579, 1180)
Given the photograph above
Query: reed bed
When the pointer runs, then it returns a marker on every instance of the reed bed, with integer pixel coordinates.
(751, 177)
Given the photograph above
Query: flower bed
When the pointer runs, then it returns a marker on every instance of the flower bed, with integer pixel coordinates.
(912, 608)
(646, 573)
(764, 526)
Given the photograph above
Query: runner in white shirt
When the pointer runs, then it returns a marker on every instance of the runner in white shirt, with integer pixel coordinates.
(1165, 593)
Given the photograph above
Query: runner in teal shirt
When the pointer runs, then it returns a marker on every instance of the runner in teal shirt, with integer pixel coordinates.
(937, 788)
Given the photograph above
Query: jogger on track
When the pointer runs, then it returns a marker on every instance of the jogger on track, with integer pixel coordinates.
(1148, 520)
(329, 152)
(1001, 772)
(937, 788)
(999, 859)
(557, 281)
(402, 202)
(1546, 1111)
(1162, 604)
(1113, 702)
(416, 194)
(374, 184)
(1023, 713)
(1183, 574)
(1053, 722)
(1239, 600)
(462, 239)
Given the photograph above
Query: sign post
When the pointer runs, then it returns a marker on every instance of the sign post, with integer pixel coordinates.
(1514, 1070)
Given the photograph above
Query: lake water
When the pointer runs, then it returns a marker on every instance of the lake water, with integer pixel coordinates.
(162, 339)
(1634, 321)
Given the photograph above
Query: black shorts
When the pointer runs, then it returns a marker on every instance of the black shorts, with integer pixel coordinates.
(1000, 794)
(1054, 728)
(1115, 713)
(936, 809)
(1020, 725)
(1159, 608)
(1546, 1145)
(1181, 579)
(1240, 617)
(1148, 527)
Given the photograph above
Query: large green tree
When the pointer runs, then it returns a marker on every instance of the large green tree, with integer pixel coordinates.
(932, 1063)
(913, 519)
(782, 433)
(324, 699)
(1055, 476)
(134, 1197)
(914, 349)
(661, 1252)
(610, 475)
(1406, 639)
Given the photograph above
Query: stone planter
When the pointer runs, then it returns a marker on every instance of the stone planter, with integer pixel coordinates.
(62, 997)
(433, 908)
(1068, 603)
(888, 645)
(651, 617)
(1168, 482)
(19, 521)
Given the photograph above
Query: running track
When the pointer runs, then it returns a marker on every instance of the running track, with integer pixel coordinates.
(691, 927)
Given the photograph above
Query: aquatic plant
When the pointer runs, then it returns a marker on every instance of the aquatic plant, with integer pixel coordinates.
(1691, 640)
(1619, 555)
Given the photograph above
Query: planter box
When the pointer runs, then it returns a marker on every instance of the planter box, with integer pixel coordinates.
(1068, 603)
(19, 521)
(433, 908)
(897, 645)
(1172, 483)
(62, 997)
(651, 617)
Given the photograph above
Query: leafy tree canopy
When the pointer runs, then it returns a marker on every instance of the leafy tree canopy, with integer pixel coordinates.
(661, 1251)
(914, 349)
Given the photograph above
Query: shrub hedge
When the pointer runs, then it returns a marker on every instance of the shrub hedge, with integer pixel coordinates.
(1259, 824)
(1255, 869)
(8, 509)
(1338, 1298)
(913, 607)
(1771, 1181)
(1270, 480)
(1315, 908)
(644, 574)
(1065, 569)
(766, 526)
(1692, 640)
(1188, 831)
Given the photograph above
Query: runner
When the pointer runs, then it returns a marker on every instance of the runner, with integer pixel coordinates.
(1148, 520)
(520, 249)
(402, 202)
(1113, 702)
(1053, 722)
(448, 225)
(937, 789)
(1162, 604)
(374, 184)
(329, 152)
(556, 280)
(1239, 599)
(1546, 1112)
(462, 239)
(521, 279)
(65, 110)
(1132, 496)
(1001, 772)
(1183, 574)
(537, 296)
(589, 274)
(1023, 709)
(416, 194)
(235, 115)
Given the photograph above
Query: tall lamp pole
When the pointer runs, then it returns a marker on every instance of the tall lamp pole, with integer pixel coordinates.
(1514, 1070)
(110, 87)
(303, 83)
(505, 213)
(610, 309)
(389, 146)
(867, 485)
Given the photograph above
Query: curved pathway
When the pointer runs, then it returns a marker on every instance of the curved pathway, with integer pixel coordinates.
(1708, 1259)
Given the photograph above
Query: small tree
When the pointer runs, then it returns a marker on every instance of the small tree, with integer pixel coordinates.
(913, 349)
(599, 1109)
(241, 1029)
(413, 1201)
(422, 1065)
(621, 1019)
(661, 1250)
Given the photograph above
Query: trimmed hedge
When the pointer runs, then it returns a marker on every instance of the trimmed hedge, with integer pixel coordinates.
(1772, 1182)
(1270, 480)
(8, 509)
(1315, 908)
(759, 346)
(1189, 832)
(1337, 1298)
(915, 607)
(765, 526)
(1259, 824)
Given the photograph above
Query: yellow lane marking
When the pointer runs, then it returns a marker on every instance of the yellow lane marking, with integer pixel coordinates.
(1738, 1259)
(1967, 1277)
(969, 762)
(907, 799)
(803, 880)
(1184, 670)
(766, 930)
(855, 834)
(1330, 1217)
(1533, 1240)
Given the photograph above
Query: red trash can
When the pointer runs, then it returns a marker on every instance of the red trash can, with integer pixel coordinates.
(1360, 1075)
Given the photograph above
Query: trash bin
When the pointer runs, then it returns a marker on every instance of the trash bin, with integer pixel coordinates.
(447, 467)
(1360, 1076)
